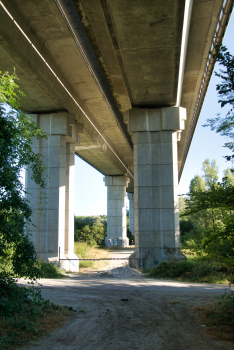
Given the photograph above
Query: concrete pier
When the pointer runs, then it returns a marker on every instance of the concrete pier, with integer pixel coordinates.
(156, 215)
(53, 207)
(131, 212)
(116, 211)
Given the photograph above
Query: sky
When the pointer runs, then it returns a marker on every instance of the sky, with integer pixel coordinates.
(90, 191)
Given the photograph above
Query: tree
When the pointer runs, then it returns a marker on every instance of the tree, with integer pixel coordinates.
(228, 177)
(210, 172)
(16, 130)
(225, 124)
(209, 208)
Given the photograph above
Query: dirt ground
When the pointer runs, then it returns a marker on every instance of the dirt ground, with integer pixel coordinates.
(118, 308)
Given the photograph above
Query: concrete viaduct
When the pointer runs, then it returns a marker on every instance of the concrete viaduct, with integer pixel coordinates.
(120, 83)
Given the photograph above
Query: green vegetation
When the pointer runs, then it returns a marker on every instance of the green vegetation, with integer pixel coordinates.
(22, 309)
(91, 229)
(49, 270)
(25, 315)
(206, 216)
(86, 251)
(16, 130)
(218, 317)
(192, 271)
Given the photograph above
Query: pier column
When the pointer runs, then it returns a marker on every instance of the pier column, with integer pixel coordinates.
(156, 216)
(116, 211)
(131, 212)
(53, 206)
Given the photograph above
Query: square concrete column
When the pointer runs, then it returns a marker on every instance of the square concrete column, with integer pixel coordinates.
(131, 212)
(53, 207)
(116, 211)
(156, 215)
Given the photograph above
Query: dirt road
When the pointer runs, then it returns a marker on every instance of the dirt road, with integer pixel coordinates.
(120, 309)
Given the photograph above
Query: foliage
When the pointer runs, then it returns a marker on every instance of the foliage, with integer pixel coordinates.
(207, 216)
(224, 124)
(21, 309)
(91, 229)
(218, 316)
(191, 270)
(49, 270)
(16, 130)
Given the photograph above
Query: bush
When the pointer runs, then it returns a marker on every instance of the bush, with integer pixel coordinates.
(21, 309)
(192, 270)
(49, 270)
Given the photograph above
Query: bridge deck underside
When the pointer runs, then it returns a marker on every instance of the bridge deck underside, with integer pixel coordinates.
(137, 46)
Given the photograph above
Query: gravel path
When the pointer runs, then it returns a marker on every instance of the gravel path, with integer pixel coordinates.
(118, 308)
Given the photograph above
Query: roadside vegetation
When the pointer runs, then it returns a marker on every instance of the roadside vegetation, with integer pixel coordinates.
(24, 314)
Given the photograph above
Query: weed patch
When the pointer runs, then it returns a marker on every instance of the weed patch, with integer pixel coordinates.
(25, 315)
(49, 270)
(217, 318)
(85, 251)
(191, 271)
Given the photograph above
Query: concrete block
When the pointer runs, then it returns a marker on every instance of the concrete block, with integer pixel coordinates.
(167, 136)
(142, 154)
(167, 174)
(144, 176)
(156, 137)
(169, 239)
(52, 242)
(155, 239)
(142, 137)
(177, 239)
(168, 220)
(156, 175)
(57, 141)
(144, 218)
(144, 198)
(156, 153)
(34, 117)
(157, 219)
(45, 122)
(57, 177)
(59, 124)
(170, 118)
(168, 197)
(156, 197)
(138, 120)
(108, 180)
(154, 119)
(167, 153)
(145, 240)
(34, 142)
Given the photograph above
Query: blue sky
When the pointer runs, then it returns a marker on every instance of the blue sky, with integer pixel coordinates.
(90, 191)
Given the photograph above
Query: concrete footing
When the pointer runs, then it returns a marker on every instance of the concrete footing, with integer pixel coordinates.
(150, 258)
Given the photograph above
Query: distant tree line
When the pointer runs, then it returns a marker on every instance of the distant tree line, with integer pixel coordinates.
(91, 229)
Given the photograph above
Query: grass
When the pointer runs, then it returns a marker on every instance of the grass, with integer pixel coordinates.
(192, 271)
(85, 251)
(50, 270)
(217, 318)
